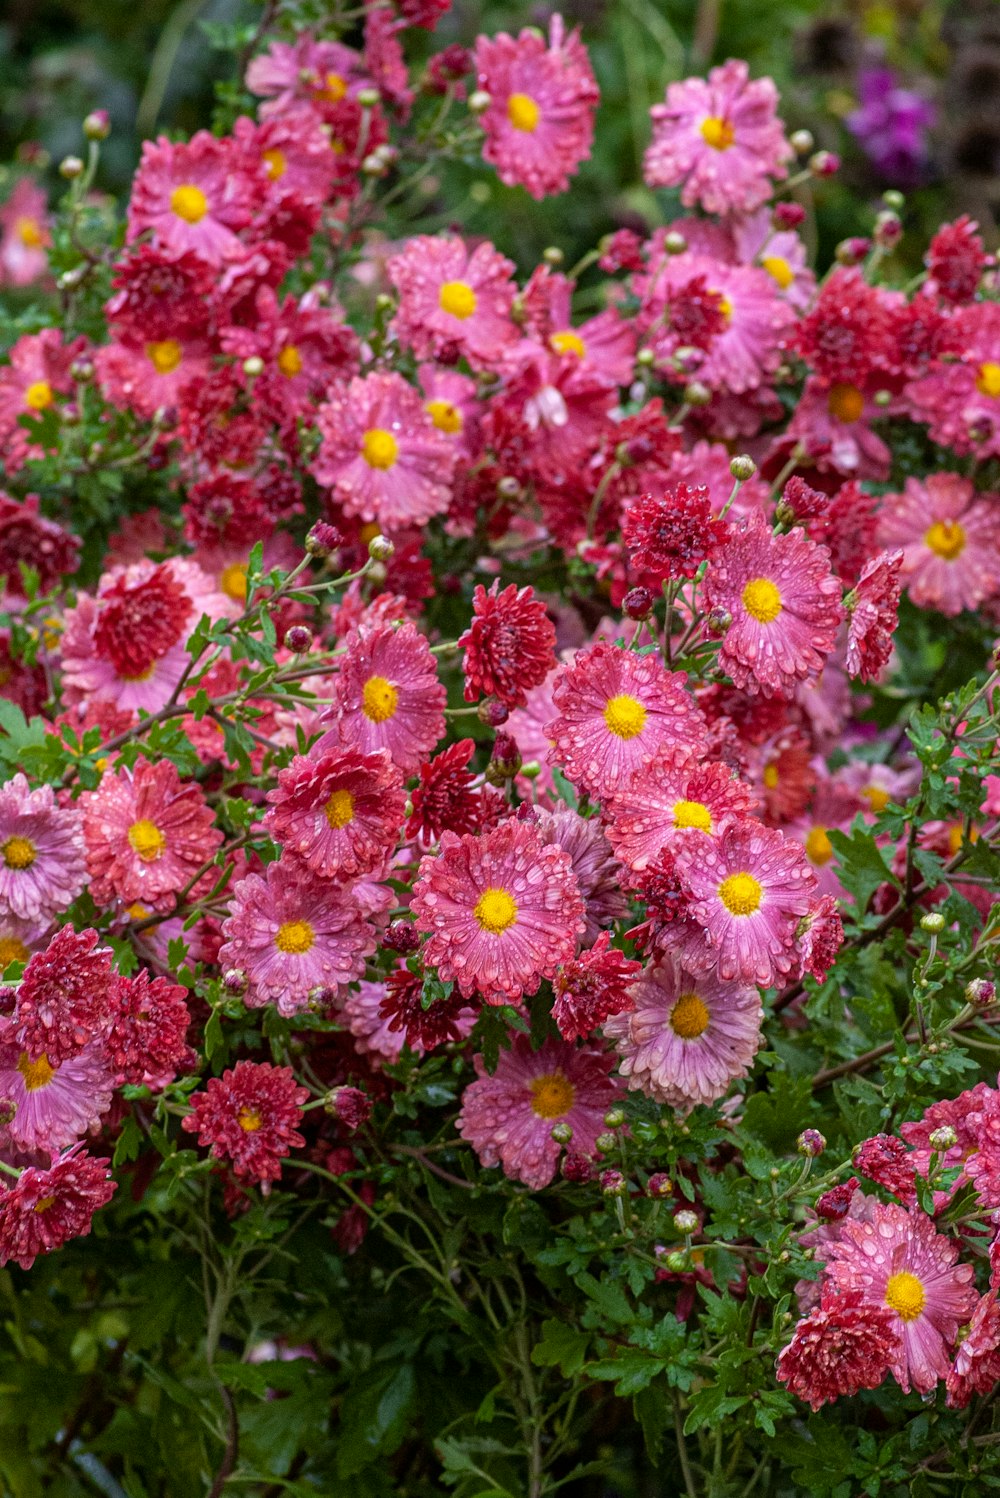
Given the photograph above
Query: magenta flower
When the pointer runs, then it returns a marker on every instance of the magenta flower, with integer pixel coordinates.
(595, 868)
(42, 864)
(676, 791)
(193, 196)
(340, 812)
(54, 1105)
(453, 299)
(959, 395)
(43, 1209)
(388, 695)
(950, 538)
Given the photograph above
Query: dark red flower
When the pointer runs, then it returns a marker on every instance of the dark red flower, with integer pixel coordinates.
(873, 614)
(836, 1203)
(445, 799)
(622, 251)
(150, 1020)
(402, 1008)
(140, 622)
(349, 1106)
(160, 297)
(45, 1208)
(668, 536)
(848, 331)
(509, 645)
(26, 536)
(820, 937)
(885, 1160)
(226, 509)
(65, 997)
(248, 1116)
(846, 1344)
(955, 260)
(666, 902)
(592, 987)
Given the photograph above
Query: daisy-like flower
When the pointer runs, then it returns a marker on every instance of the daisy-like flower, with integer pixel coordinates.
(64, 998)
(719, 140)
(508, 1118)
(540, 122)
(30, 384)
(388, 695)
(747, 888)
(295, 936)
(676, 791)
(950, 539)
(46, 1208)
(371, 1030)
(686, 1037)
(382, 455)
(844, 1345)
(248, 1117)
(451, 299)
(145, 1043)
(339, 812)
(42, 867)
(503, 911)
(896, 1258)
(965, 1115)
(615, 711)
(193, 196)
(147, 834)
(509, 645)
(833, 423)
(784, 603)
(873, 615)
(976, 1369)
(591, 988)
(320, 74)
(959, 395)
(54, 1104)
(597, 872)
(450, 400)
(24, 235)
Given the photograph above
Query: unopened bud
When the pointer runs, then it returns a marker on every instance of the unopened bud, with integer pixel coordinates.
(674, 243)
(637, 604)
(492, 713)
(824, 164)
(373, 166)
(299, 638)
(381, 549)
(505, 761)
(81, 370)
(553, 255)
(686, 1221)
(659, 1185)
(802, 142)
(852, 251)
(368, 97)
(742, 467)
(943, 1138)
(349, 1106)
(696, 394)
(811, 1143)
(981, 991)
(400, 936)
(8, 1112)
(605, 1143)
(71, 167)
(718, 620)
(479, 101)
(613, 1183)
(933, 922)
(508, 487)
(888, 229)
(562, 1133)
(253, 366)
(235, 981)
(678, 1261)
(323, 539)
(614, 1118)
(882, 398)
(97, 125)
(645, 358)
(788, 215)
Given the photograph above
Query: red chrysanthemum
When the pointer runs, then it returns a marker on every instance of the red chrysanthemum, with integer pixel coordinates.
(448, 799)
(45, 1208)
(592, 987)
(42, 545)
(139, 622)
(873, 614)
(848, 331)
(976, 1369)
(402, 1009)
(670, 535)
(666, 901)
(836, 1203)
(819, 937)
(248, 1117)
(885, 1160)
(955, 260)
(340, 812)
(509, 646)
(150, 1020)
(64, 1000)
(842, 1346)
(159, 297)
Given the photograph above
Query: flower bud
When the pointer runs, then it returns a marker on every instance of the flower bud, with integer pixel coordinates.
(479, 101)
(678, 1261)
(717, 621)
(562, 1133)
(788, 215)
(933, 922)
(686, 1221)
(981, 992)
(614, 1118)
(852, 251)
(235, 981)
(743, 467)
(253, 366)
(811, 1143)
(888, 229)
(323, 539)
(943, 1138)
(349, 1106)
(381, 549)
(882, 398)
(368, 97)
(605, 1143)
(97, 125)
(71, 167)
(553, 255)
(637, 604)
(509, 487)
(505, 761)
(696, 394)
(645, 358)
(801, 142)
(613, 1183)
(8, 1112)
(824, 164)
(659, 1185)
(299, 638)
(492, 713)
(373, 166)
(893, 198)
(402, 937)
(674, 243)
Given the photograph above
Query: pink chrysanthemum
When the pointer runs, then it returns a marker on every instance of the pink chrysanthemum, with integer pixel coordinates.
(976, 1369)
(24, 235)
(373, 1036)
(950, 538)
(381, 453)
(502, 911)
(591, 988)
(54, 1103)
(340, 812)
(873, 615)
(320, 74)
(595, 868)
(676, 791)
(148, 833)
(819, 937)
(955, 261)
(959, 395)
(509, 645)
(687, 1038)
(895, 1258)
(616, 710)
(38, 372)
(64, 999)
(45, 1208)
(451, 300)
(193, 196)
(42, 867)
(784, 602)
(747, 888)
(540, 123)
(842, 1346)
(388, 695)
(720, 140)
(294, 935)
(508, 1118)
(964, 1114)
(833, 423)
(145, 1043)
(248, 1117)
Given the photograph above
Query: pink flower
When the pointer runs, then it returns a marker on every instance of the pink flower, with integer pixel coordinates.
(388, 695)
(758, 241)
(720, 141)
(450, 400)
(508, 1118)
(64, 1000)
(249, 1116)
(54, 1103)
(842, 1346)
(193, 196)
(540, 123)
(976, 1369)
(320, 74)
(833, 424)
(503, 911)
(959, 396)
(676, 791)
(381, 453)
(151, 378)
(964, 1114)
(873, 614)
(686, 1038)
(454, 300)
(24, 235)
(509, 645)
(339, 812)
(38, 372)
(373, 1036)
(42, 866)
(45, 1208)
(597, 872)
(950, 537)
(604, 344)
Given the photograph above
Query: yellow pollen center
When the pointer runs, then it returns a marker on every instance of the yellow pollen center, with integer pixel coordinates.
(845, 403)
(165, 357)
(30, 233)
(819, 848)
(625, 716)
(725, 306)
(39, 396)
(762, 600)
(988, 380)
(334, 88)
(233, 581)
(568, 342)
(340, 809)
(249, 1120)
(295, 936)
(19, 852)
(946, 538)
(368, 531)
(290, 361)
(717, 133)
(779, 270)
(877, 796)
(552, 1096)
(275, 164)
(445, 416)
(496, 911)
(138, 911)
(692, 814)
(379, 699)
(689, 1017)
(189, 203)
(146, 840)
(36, 1074)
(44, 1203)
(904, 1294)
(523, 112)
(740, 894)
(457, 298)
(770, 777)
(11, 950)
(379, 448)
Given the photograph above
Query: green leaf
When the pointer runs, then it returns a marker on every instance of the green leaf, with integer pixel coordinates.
(561, 1346)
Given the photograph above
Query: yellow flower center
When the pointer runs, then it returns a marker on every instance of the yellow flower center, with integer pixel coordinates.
(692, 814)
(249, 1120)
(496, 911)
(717, 133)
(146, 840)
(295, 936)
(568, 342)
(625, 716)
(457, 298)
(36, 1074)
(11, 950)
(445, 416)
(165, 357)
(689, 1017)
(340, 809)
(770, 776)
(44, 1203)
(19, 853)
(946, 538)
(819, 848)
(877, 796)
(379, 448)
(904, 1294)
(233, 581)
(725, 306)
(189, 203)
(30, 233)
(523, 113)
(740, 894)
(290, 361)
(138, 911)
(779, 270)
(146, 675)
(988, 380)
(39, 396)
(552, 1096)
(379, 699)
(275, 164)
(762, 600)
(334, 88)
(845, 403)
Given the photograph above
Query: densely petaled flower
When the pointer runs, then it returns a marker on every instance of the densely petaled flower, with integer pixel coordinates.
(719, 140)
(616, 710)
(508, 1117)
(687, 1037)
(844, 1345)
(453, 299)
(676, 791)
(42, 867)
(140, 620)
(388, 695)
(950, 538)
(848, 332)
(819, 936)
(976, 1369)
(958, 395)
(668, 536)
(747, 888)
(873, 615)
(45, 1208)
(502, 909)
(885, 1160)
(41, 544)
(294, 935)
(955, 261)
(146, 1040)
(447, 797)
(370, 1029)
(193, 196)
(591, 988)
(784, 603)
(249, 1118)
(64, 1000)
(509, 645)
(597, 872)
(964, 1114)
(54, 1103)
(442, 1022)
(340, 812)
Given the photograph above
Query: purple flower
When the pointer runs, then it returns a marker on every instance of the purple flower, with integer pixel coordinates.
(890, 126)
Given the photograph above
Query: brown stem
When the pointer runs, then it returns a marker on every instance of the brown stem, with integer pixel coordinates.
(232, 1451)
